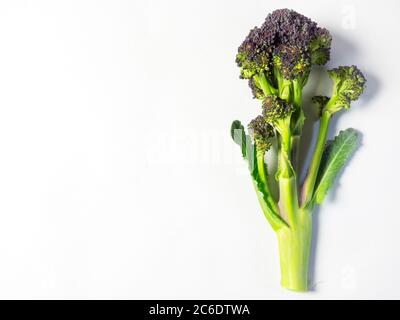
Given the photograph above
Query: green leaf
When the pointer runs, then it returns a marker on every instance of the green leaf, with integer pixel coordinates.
(335, 155)
(266, 202)
(238, 135)
(248, 149)
(249, 153)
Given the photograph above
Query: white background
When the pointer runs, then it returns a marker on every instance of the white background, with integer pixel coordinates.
(118, 178)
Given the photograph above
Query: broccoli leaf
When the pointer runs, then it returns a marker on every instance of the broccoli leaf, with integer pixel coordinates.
(238, 135)
(249, 153)
(336, 153)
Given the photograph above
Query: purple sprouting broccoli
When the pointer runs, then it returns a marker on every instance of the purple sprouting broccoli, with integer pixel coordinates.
(277, 59)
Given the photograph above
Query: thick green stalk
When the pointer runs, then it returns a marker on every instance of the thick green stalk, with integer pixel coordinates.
(294, 252)
(309, 182)
(295, 241)
(294, 237)
(288, 198)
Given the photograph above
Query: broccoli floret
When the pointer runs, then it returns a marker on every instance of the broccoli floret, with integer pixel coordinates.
(277, 112)
(348, 84)
(284, 47)
(262, 133)
(257, 92)
(290, 63)
(250, 63)
(348, 81)
(320, 47)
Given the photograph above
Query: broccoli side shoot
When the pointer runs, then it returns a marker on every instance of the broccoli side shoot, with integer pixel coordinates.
(348, 84)
(262, 133)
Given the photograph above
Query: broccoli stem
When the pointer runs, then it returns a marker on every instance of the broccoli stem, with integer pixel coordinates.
(294, 251)
(295, 151)
(261, 169)
(298, 119)
(297, 93)
(264, 85)
(294, 242)
(288, 202)
(309, 181)
(288, 198)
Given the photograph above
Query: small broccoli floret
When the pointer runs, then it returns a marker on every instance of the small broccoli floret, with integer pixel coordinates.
(348, 84)
(320, 47)
(275, 109)
(277, 112)
(257, 92)
(262, 133)
(291, 63)
(348, 81)
(250, 63)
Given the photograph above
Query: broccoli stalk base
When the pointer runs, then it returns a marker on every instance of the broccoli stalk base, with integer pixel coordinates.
(294, 241)
(294, 252)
